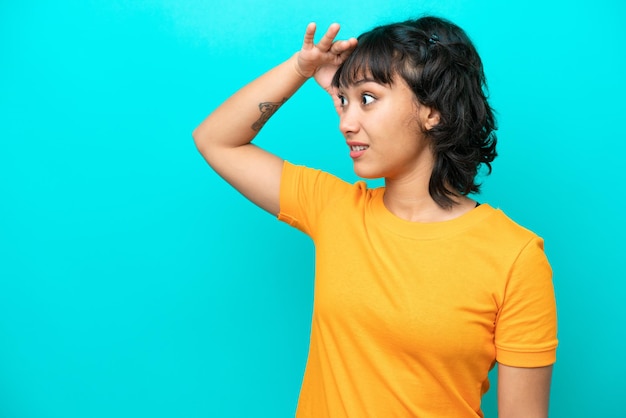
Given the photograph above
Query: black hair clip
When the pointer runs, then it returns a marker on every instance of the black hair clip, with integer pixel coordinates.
(433, 39)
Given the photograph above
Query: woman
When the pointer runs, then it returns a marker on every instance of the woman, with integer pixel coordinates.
(419, 289)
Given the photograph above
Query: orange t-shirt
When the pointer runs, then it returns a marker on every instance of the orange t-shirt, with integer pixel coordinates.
(408, 318)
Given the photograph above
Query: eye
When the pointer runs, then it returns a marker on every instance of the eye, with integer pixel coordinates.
(342, 100)
(367, 99)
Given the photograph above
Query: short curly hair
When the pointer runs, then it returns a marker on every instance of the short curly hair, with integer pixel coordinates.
(441, 66)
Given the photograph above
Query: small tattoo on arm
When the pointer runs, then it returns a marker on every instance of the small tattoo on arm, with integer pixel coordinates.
(267, 110)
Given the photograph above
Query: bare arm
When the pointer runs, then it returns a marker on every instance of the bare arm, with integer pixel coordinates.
(224, 137)
(523, 392)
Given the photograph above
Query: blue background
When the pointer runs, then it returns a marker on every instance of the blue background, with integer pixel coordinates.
(135, 283)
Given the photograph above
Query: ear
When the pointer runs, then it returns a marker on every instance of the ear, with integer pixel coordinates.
(430, 117)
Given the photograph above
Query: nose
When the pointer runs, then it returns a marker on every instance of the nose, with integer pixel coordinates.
(348, 120)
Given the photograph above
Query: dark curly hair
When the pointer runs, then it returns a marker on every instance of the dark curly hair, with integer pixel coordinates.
(443, 69)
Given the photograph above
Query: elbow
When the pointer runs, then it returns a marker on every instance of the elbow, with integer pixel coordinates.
(196, 138)
(205, 145)
(199, 141)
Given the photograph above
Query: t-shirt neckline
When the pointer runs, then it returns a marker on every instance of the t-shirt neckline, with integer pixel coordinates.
(424, 230)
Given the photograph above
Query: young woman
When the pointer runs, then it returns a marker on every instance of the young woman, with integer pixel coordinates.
(419, 289)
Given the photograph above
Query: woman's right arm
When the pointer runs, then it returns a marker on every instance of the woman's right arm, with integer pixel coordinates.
(224, 137)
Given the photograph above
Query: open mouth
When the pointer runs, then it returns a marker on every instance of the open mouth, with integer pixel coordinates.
(357, 150)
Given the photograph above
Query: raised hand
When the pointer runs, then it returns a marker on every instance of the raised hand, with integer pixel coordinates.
(322, 60)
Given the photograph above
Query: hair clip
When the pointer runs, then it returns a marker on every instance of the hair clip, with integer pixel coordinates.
(433, 39)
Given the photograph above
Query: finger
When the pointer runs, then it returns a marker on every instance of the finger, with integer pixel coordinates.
(341, 47)
(351, 44)
(309, 36)
(327, 40)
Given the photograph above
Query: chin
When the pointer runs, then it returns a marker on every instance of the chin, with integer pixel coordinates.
(367, 174)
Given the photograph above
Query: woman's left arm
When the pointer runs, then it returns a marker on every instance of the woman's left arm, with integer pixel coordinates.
(523, 392)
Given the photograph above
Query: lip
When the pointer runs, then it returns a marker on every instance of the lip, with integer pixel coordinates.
(356, 154)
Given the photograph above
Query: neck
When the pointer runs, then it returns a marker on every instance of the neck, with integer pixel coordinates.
(412, 202)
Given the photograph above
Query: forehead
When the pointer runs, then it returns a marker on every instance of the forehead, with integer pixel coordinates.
(365, 79)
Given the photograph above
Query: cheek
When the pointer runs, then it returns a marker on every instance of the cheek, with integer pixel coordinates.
(413, 122)
(415, 126)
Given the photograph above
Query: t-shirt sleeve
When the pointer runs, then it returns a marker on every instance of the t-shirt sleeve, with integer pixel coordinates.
(526, 325)
(305, 193)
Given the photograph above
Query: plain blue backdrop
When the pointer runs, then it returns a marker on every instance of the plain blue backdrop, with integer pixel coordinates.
(135, 283)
